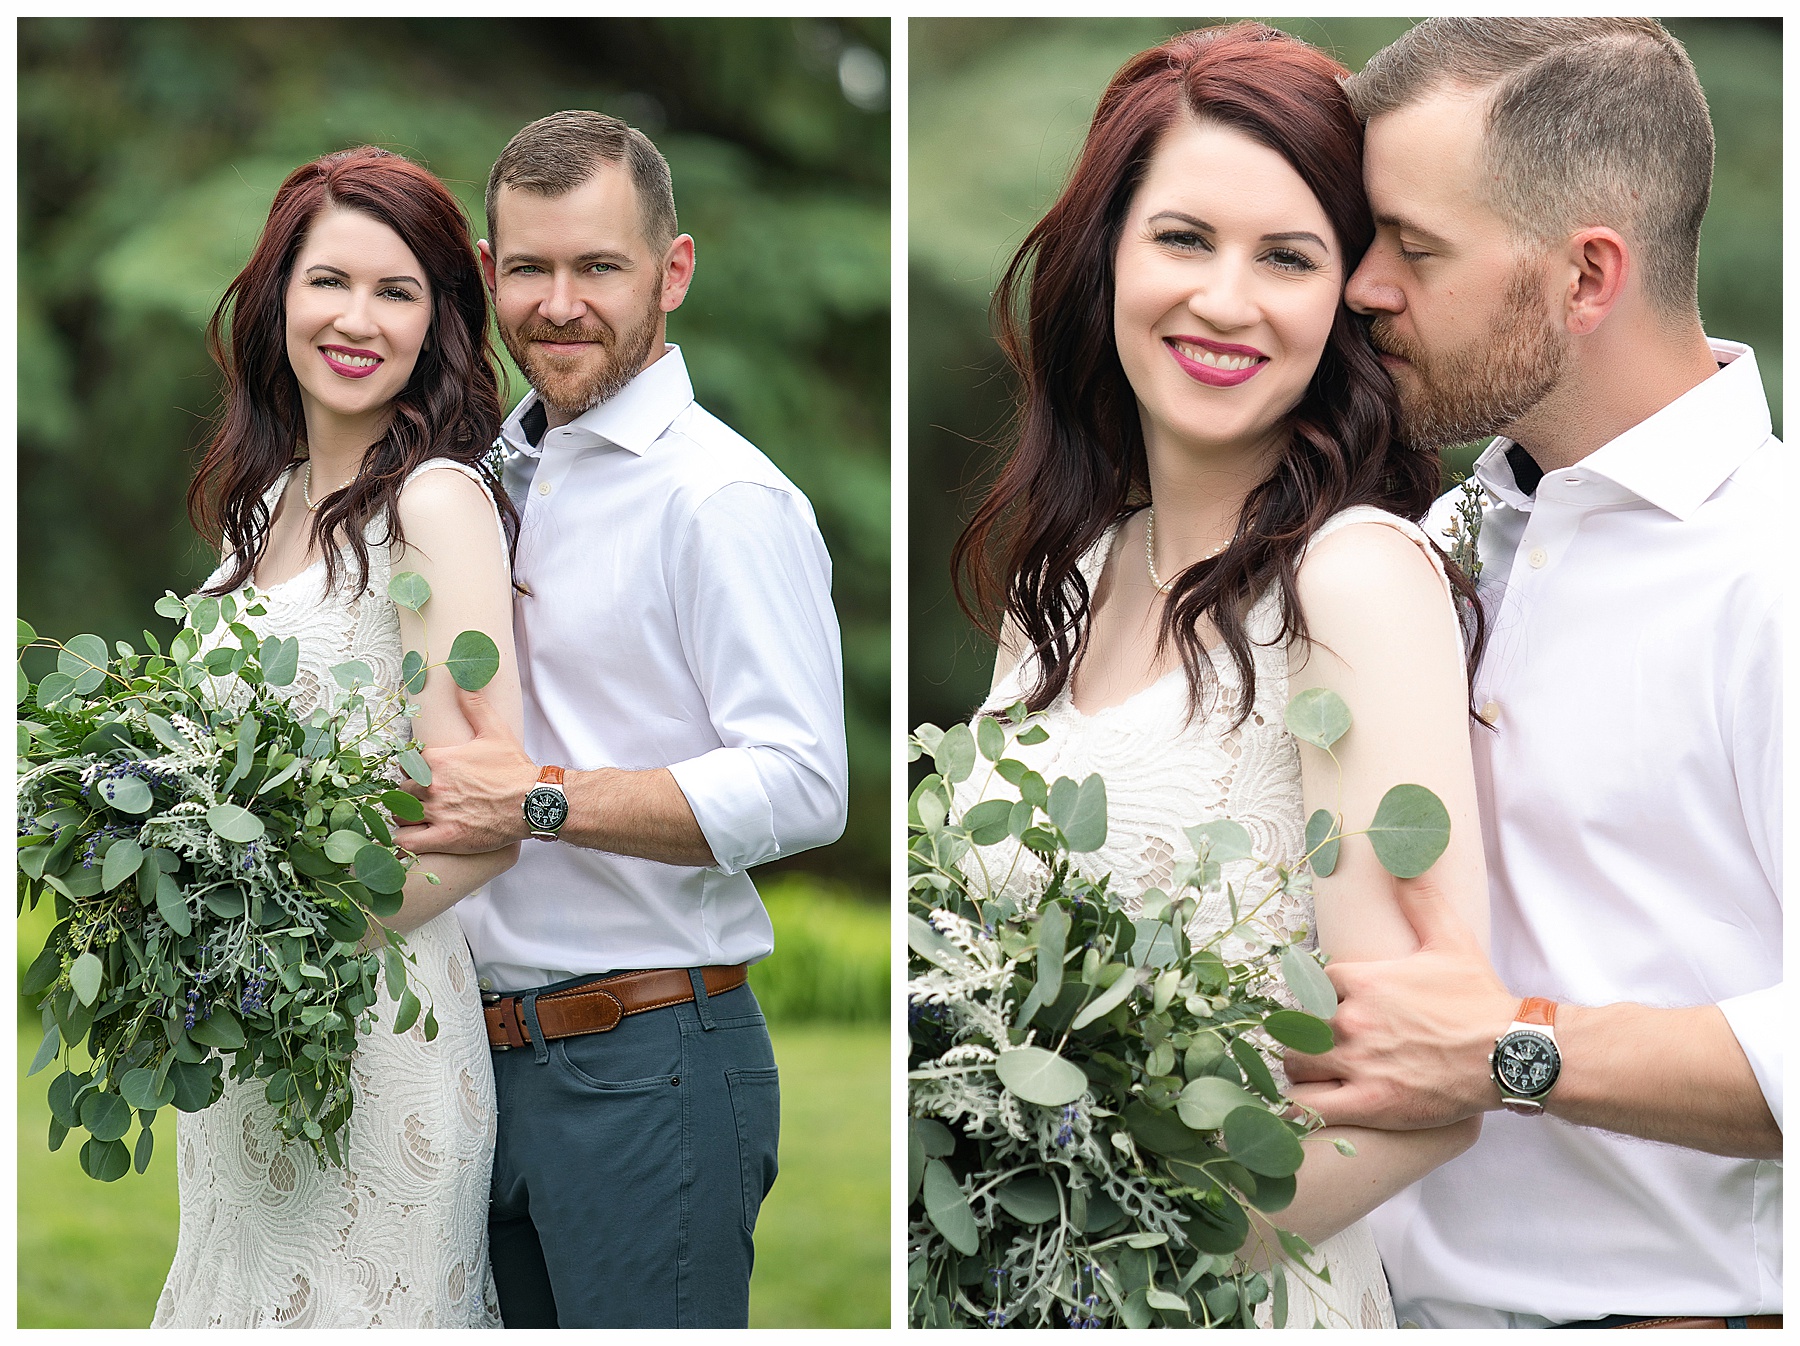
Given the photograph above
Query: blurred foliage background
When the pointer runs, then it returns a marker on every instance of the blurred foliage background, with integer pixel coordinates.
(1030, 86)
(149, 151)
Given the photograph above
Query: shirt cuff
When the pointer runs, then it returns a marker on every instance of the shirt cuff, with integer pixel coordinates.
(729, 802)
(1758, 1020)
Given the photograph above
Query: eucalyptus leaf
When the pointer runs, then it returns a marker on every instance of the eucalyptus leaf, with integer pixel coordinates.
(1307, 980)
(403, 806)
(1220, 841)
(407, 1013)
(281, 660)
(106, 1160)
(935, 1139)
(26, 633)
(235, 823)
(990, 738)
(1206, 1102)
(412, 762)
(352, 674)
(106, 1116)
(948, 1208)
(1085, 825)
(409, 589)
(1106, 1001)
(1410, 830)
(473, 661)
(1322, 842)
(379, 871)
(1052, 942)
(1039, 1076)
(85, 975)
(955, 754)
(1030, 1198)
(1302, 1032)
(412, 673)
(122, 860)
(932, 946)
(1318, 716)
(1262, 1142)
(128, 794)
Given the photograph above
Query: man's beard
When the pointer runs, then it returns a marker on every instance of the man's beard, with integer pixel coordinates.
(1457, 397)
(571, 387)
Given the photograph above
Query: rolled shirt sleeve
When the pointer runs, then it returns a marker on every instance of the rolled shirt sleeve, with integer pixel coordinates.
(752, 590)
(1759, 1019)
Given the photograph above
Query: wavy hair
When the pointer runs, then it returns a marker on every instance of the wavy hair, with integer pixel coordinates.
(450, 407)
(1077, 462)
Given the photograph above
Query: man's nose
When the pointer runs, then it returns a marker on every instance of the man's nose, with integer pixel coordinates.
(563, 305)
(1368, 292)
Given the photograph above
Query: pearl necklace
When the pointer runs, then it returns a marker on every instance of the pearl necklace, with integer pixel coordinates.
(1163, 586)
(306, 488)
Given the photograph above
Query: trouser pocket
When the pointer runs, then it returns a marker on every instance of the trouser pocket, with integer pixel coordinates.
(756, 1107)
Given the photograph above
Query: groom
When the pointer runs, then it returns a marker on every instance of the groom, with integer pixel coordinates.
(1539, 186)
(683, 721)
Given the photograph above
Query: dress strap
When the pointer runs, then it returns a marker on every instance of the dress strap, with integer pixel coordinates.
(1371, 514)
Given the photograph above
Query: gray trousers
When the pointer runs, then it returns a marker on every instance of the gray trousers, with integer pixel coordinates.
(630, 1167)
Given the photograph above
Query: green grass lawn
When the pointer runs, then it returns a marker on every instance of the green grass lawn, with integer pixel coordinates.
(94, 1255)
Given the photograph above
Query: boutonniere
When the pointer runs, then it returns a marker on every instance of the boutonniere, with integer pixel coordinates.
(1464, 530)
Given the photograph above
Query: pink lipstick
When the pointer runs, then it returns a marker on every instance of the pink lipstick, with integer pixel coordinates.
(351, 362)
(1215, 363)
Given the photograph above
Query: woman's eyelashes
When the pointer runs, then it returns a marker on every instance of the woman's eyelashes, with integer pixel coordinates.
(386, 292)
(1188, 241)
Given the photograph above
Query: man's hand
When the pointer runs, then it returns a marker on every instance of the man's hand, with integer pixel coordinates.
(1414, 1033)
(477, 788)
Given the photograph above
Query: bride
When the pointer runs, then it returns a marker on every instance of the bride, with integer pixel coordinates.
(1206, 511)
(361, 396)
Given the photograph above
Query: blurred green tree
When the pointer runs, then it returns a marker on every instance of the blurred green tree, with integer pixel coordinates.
(149, 150)
(1030, 85)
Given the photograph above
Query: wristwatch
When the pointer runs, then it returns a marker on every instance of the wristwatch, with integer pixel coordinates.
(1526, 1061)
(546, 806)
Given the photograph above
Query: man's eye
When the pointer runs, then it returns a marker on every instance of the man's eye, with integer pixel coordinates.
(1407, 256)
(602, 268)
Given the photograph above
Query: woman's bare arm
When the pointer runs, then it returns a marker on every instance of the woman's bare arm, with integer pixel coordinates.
(1384, 638)
(452, 541)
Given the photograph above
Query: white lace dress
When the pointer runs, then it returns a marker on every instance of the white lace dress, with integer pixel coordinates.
(1164, 774)
(270, 1235)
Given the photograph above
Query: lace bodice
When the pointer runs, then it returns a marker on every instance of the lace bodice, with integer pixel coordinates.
(1164, 773)
(397, 1237)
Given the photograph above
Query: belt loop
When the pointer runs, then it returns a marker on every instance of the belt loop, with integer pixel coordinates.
(1736, 1322)
(533, 1029)
(700, 1002)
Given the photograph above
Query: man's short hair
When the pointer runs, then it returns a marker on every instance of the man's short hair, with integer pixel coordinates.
(558, 153)
(1592, 121)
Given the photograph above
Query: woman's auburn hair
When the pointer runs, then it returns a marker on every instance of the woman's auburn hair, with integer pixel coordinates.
(450, 407)
(1077, 464)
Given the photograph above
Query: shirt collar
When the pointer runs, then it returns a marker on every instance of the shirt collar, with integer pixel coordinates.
(1676, 458)
(634, 418)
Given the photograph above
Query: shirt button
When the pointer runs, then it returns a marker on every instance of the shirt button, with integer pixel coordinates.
(543, 488)
(1538, 557)
(1490, 712)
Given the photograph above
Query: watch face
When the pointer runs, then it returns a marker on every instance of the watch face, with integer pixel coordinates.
(545, 809)
(1527, 1063)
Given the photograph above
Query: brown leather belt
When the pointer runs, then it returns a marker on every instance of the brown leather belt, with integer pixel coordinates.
(598, 1006)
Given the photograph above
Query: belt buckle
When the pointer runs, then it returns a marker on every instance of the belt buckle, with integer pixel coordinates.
(489, 999)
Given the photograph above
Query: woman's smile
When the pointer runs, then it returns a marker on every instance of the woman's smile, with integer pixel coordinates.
(1214, 363)
(349, 362)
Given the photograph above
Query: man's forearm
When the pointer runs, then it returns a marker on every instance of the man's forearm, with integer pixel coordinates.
(1671, 1075)
(641, 813)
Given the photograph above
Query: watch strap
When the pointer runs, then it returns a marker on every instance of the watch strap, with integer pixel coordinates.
(1536, 1010)
(553, 775)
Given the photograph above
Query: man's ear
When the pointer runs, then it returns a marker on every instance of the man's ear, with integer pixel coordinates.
(677, 272)
(487, 264)
(1599, 267)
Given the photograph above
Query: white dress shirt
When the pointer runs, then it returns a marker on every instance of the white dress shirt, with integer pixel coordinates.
(1631, 814)
(679, 616)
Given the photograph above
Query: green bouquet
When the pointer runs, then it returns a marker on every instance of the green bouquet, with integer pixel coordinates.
(219, 866)
(1093, 1112)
